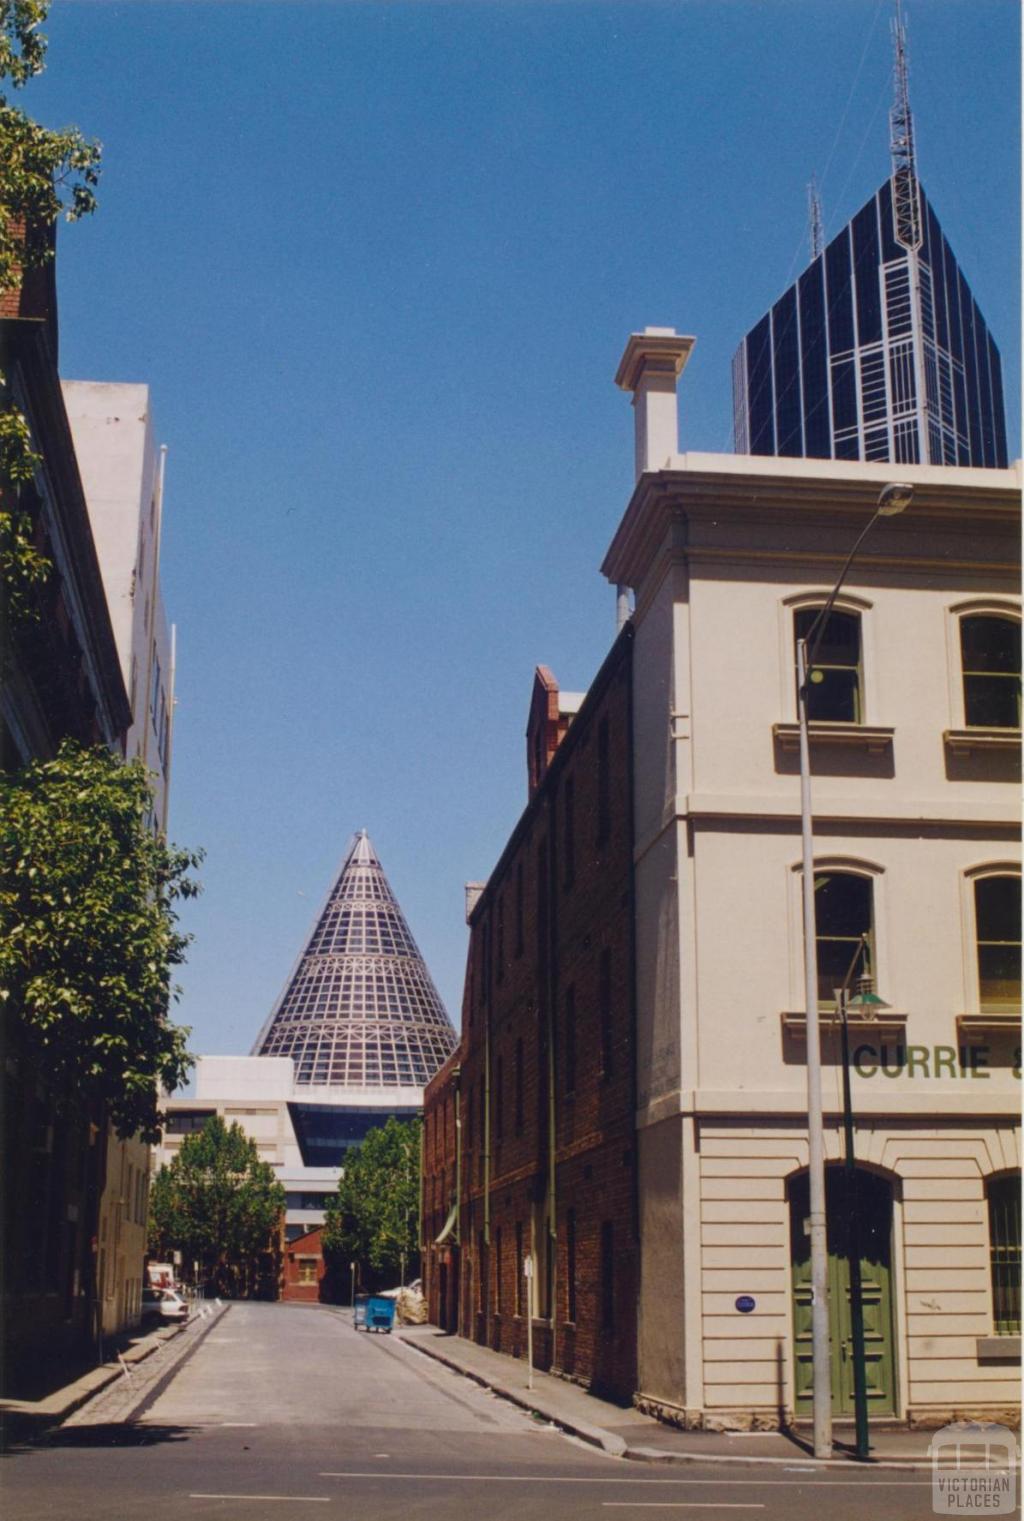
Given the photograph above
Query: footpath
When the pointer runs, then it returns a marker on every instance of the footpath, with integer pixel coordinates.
(624, 1432)
(117, 1389)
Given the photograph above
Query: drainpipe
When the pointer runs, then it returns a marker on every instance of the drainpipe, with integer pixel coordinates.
(633, 1042)
(419, 1217)
(457, 1078)
(552, 984)
(487, 1091)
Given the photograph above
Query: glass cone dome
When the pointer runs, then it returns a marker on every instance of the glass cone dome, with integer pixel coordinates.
(360, 1009)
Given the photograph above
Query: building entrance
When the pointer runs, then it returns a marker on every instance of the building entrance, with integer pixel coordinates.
(869, 1203)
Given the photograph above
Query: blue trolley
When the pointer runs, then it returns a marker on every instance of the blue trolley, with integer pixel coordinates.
(373, 1312)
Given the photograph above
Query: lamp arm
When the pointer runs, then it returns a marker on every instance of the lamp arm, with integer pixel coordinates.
(816, 632)
(862, 946)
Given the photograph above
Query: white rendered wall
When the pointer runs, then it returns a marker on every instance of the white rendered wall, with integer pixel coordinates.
(119, 466)
(721, 1088)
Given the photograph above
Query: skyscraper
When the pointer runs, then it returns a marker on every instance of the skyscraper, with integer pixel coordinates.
(879, 350)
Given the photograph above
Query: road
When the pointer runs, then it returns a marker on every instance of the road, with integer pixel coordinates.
(285, 1409)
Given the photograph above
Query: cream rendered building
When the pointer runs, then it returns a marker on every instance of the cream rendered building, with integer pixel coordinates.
(123, 477)
(916, 839)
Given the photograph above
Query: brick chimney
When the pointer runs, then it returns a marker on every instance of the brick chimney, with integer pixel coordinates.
(650, 367)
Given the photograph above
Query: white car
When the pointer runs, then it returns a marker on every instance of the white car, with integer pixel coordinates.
(164, 1304)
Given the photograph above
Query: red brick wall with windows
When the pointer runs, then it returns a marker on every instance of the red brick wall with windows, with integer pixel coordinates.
(303, 1267)
(544, 1071)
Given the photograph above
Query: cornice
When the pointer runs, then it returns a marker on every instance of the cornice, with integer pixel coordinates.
(716, 506)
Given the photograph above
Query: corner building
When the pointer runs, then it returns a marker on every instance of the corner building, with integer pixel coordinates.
(915, 752)
(661, 1191)
(529, 1142)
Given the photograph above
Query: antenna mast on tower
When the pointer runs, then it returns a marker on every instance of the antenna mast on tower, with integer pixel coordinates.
(906, 202)
(815, 221)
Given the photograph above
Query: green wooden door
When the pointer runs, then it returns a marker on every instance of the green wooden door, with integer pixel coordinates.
(873, 1210)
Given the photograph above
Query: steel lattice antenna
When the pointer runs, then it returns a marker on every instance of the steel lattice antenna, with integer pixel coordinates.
(906, 201)
(815, 220)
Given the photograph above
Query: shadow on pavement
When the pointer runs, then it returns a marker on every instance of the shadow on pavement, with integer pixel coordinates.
(102, 1434)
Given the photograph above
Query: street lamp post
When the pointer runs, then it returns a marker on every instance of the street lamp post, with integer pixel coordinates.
(865, 1001)
(891, 500)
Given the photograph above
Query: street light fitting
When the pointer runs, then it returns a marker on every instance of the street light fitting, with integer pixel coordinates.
(894, 498)
(866, 1000)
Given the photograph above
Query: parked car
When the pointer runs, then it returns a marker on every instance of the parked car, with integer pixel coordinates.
(163, 1304)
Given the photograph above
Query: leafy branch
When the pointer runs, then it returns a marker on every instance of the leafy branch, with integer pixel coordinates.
(44, 175)
(89, 930)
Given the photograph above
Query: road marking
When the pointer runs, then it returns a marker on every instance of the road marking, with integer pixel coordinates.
(677, 1505)
(526, 1478)
(323, 1499)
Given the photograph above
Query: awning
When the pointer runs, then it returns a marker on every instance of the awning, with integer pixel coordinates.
(449, 1226)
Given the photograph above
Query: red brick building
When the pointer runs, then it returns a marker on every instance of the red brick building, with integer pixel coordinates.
(303, 1270)
(529, 1147)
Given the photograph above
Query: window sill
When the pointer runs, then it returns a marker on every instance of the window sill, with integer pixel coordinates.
(1002, 1349)
(993, 1022)
(870, 737)
(891, 1022)
(967, 741)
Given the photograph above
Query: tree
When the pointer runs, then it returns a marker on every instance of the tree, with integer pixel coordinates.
(43, 175)
(373, 1218)
(221, 1207)
(88, 931)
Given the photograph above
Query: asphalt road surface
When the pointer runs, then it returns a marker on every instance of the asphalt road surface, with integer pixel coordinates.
(286, 1411)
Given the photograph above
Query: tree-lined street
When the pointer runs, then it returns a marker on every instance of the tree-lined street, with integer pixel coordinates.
(288, 1407)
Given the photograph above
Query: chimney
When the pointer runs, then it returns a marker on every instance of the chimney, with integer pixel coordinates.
(650, 367)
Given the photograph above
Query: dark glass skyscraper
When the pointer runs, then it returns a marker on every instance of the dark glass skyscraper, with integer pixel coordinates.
(878, 352)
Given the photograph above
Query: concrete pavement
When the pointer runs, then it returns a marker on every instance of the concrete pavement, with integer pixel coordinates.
(118, 1380)
(625, 1432)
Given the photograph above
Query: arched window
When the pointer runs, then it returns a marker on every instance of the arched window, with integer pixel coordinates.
(1004, 1251)
(997, 929)
(835, 689)
(843, 913)
(990, 660)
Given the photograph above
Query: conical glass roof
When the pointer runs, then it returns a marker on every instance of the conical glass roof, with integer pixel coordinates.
(360, 1009)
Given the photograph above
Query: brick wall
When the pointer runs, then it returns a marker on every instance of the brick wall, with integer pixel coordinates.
(547, 1042)
(303, 1269)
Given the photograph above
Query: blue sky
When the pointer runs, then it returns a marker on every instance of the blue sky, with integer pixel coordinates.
(377, 263)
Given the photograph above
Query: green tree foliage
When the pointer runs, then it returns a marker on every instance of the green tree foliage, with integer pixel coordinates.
(373, 1218)
(88, 930)
(221, 1207)
(43, 175)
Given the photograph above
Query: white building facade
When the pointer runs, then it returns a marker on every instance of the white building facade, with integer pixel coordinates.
(122, 475)
(915, 752)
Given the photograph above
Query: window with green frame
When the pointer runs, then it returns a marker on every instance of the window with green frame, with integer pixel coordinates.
(990, 651)
(997, 918)
(834, 691)
(843, 912)
(1004, 1249)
